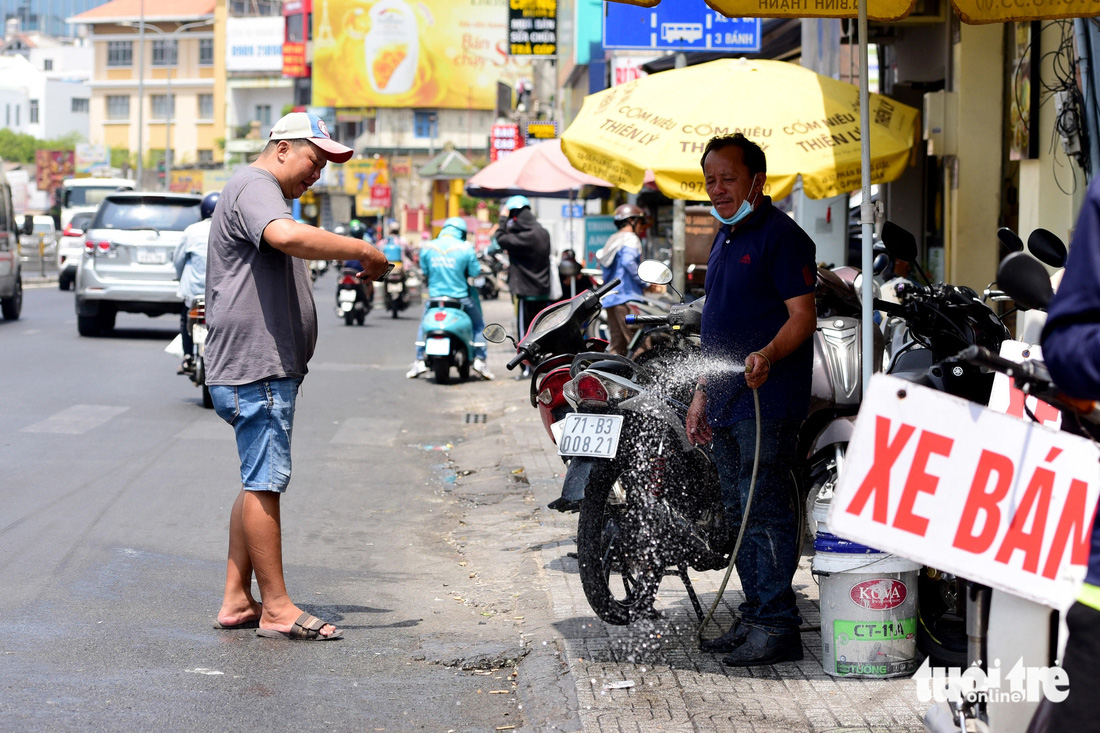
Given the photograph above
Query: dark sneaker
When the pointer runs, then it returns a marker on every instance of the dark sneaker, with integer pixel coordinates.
(763, 647)
(562, 504)
(728, 641)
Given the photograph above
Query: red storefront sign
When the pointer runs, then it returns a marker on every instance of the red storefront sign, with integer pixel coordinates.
(503, 140)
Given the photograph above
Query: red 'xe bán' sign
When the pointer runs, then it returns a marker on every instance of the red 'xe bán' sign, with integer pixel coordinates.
(953, 485)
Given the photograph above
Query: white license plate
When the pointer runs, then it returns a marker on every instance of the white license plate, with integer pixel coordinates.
(437, 347)
(151, 256)
(198, 334)
(394, 288)
(346, 296)
(590, 435)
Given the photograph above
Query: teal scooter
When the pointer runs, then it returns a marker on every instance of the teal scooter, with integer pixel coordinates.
(448, 339)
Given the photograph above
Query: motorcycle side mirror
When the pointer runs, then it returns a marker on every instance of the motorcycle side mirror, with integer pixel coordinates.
(654, 272)
(569, 268)
(900, 244)
(1010, 239)
(494, 333)
(1025, 280)
(1047, 247)
(881, 264)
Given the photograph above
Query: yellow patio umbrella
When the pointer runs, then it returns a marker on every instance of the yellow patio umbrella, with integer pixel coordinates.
(808, 125)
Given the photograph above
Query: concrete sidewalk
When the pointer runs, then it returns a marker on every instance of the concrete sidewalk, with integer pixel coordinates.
(675, 687)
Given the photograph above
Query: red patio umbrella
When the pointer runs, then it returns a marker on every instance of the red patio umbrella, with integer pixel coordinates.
(540, 170)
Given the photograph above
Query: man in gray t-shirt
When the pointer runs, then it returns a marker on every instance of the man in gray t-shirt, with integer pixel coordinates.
(262, 331)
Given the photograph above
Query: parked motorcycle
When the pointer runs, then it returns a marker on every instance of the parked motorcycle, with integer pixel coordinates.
(395, 296)
(489, 280)
(556, 335)
(999, 625)
(196, 326)
(354, 297)
(937, 321)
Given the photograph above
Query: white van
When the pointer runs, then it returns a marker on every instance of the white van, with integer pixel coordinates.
(84, 194)
(11, 280)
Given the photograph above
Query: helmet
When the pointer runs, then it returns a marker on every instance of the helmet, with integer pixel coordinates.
(356, 229)
(457, 225)
(627, 212)
(515, 203)
(340, 229)
(395, 228)
(209, 201)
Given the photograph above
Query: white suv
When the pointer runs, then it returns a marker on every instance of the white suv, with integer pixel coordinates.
(127, 261)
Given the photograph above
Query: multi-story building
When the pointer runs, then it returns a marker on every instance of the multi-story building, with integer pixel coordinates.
(49, 76)
(256, 92)
(161, 95)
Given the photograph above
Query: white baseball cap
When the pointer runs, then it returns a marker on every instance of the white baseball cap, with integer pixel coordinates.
(304, 126)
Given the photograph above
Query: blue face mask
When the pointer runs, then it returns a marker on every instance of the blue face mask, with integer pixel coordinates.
(742, 212)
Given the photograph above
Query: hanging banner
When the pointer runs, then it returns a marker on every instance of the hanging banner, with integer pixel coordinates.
(533, 28)
(959, 487)
(398, 53)
(876, 9)
(977, 12)
(294, 60)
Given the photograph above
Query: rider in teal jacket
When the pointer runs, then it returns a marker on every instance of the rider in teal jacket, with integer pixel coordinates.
(447, 261)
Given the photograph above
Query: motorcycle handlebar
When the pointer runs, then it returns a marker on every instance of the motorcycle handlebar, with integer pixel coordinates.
(1033, 375)
(607, 287)
(890, 309)
(645, 320)
(520, 356)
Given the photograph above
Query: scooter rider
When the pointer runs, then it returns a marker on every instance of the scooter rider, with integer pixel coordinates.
(759, 312)
(446, 263)
(190, 261)
(619, 258)
(358, 230)
(1071, 350)
(392, 246)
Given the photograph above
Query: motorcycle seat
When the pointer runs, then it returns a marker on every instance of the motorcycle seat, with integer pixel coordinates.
(445, 303)
(618, 368)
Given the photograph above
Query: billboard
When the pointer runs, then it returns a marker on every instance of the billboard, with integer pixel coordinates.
(254, 44)
(52, 167)
(533, 27)
(393, 53)
(91, 158)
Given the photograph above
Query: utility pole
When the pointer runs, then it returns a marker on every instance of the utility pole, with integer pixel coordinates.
(141, 94)
(679, 225)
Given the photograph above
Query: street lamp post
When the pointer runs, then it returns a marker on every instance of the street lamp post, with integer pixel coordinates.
(168, 103)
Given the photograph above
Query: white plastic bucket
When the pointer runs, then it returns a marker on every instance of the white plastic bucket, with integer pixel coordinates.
(868, 610)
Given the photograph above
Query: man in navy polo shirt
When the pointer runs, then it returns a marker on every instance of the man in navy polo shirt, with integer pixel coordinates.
(759, 313)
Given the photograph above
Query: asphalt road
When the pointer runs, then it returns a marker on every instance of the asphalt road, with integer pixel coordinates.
(115, 488)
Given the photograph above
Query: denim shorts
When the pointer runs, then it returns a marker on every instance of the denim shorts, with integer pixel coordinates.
(262, 416)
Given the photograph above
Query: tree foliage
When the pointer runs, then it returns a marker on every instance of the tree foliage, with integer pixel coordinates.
(16, 147)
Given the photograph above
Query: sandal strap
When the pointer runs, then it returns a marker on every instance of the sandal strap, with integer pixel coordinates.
(307, 626)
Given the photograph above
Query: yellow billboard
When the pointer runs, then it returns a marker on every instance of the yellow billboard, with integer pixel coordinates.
(413, 53)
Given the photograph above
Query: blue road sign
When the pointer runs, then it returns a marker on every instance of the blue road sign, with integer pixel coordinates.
(680, 26)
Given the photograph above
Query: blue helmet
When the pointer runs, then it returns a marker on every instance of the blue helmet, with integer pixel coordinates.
(458, 227)
(209, 201)
(515, 203)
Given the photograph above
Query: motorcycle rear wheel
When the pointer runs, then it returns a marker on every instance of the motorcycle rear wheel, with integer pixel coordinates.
(616, 591)
(349, 319)
(442, 369)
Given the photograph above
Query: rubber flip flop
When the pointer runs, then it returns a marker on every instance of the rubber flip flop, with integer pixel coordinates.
(306, 628)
